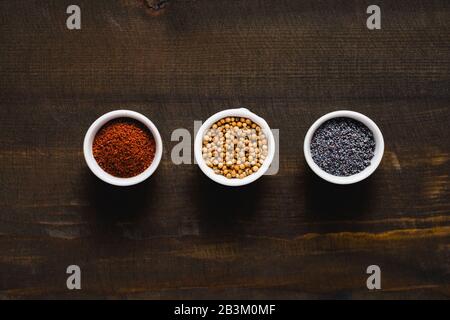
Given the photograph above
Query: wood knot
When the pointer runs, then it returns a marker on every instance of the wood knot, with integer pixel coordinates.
(156, 5)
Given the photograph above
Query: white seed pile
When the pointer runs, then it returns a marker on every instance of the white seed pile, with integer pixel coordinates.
(234, 147)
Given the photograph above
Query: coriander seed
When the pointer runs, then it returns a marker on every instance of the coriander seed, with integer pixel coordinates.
(234, 147)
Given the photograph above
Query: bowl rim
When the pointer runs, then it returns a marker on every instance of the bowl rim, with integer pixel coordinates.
(236, 112)
(378, 153)
(105, 176)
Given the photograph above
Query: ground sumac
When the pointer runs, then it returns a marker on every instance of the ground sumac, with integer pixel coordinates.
(124, 147)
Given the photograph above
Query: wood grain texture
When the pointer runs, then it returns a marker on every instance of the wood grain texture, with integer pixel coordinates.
(179, 235)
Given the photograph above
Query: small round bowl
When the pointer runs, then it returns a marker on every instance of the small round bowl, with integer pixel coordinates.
(105, 176)
(378, 153)
(244, 113)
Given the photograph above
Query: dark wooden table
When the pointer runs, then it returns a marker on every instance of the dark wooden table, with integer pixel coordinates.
(179, 235)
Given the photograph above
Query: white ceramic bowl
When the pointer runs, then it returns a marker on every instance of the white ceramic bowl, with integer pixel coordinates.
(378, 154)
(244, 113)
(92, 163)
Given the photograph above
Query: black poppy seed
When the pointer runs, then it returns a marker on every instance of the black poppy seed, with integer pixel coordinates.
(342, 146)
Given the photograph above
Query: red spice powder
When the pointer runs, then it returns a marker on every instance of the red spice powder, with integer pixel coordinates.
(124, 147)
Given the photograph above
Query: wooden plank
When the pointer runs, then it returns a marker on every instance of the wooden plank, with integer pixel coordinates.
(179, 235)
